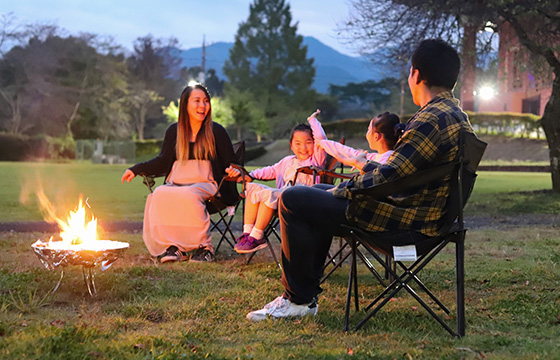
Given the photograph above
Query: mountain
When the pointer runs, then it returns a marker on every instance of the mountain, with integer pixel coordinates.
(331, 67)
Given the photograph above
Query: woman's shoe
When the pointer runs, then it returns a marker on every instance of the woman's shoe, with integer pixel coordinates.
(173, 254)
(202, 255)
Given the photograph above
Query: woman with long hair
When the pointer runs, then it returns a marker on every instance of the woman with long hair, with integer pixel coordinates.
(194, 155)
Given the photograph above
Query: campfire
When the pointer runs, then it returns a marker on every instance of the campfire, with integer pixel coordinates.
(78, 245)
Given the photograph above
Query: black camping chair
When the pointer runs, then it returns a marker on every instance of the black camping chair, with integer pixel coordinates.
(463, 173)
(214, 205)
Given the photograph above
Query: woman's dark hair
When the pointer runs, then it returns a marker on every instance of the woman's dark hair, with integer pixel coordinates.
(437, 62)
(390, 127)
(301, 127)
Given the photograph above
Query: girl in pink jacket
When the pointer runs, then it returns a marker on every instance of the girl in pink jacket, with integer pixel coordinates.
(383, 132)
(262, 200)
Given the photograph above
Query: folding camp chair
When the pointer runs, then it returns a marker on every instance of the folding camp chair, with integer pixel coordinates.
(462, 172)
(214, 205)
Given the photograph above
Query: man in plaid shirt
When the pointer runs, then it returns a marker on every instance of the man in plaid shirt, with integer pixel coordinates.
(309, 217)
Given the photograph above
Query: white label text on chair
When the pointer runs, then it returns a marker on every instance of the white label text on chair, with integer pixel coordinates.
(404, 253)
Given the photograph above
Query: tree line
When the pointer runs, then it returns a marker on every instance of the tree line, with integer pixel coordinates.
(89, 87)
(85, 86)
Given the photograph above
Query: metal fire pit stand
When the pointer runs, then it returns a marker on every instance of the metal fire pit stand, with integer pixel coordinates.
(87, 259)
(89, 280)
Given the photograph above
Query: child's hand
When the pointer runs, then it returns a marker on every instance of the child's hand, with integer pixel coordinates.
(360, 160)
(314, 115)
(232, 172)
(247, 179)
(236, 173)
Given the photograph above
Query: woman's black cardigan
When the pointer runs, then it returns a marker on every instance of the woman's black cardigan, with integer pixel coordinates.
(161, 165)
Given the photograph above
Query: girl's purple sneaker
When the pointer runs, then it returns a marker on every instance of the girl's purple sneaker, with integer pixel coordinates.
(242, 237)
(249, 245)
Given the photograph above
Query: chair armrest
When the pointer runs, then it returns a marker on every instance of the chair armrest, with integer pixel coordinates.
(242, 170)
(149, 180)
(412, 181)
(244, 173)
(319, 171)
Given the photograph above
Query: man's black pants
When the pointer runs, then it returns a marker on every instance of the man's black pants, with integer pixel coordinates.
(309, 218)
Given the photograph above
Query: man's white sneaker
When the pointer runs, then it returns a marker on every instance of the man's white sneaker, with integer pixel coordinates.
(281, 308)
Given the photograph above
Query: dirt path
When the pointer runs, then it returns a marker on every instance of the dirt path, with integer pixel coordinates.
(471, 222)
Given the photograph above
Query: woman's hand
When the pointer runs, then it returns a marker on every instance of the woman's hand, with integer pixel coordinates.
(314, 115)
(127, 176)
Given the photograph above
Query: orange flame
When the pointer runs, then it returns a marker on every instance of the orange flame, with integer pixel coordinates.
(75, 230)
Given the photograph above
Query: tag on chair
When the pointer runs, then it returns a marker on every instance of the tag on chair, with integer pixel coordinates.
(231, 210)
(405, 253)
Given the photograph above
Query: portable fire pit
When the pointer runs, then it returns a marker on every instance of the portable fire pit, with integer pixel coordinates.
(104, 253)
(79, 246)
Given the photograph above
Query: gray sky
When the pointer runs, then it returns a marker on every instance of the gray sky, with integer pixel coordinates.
(187, 20)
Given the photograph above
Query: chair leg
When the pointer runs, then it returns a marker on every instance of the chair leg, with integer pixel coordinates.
(355, 272)
(250, 258)
(336, 264)
(270, 230)
(351, 277)
(460, 258)
(370, 267)
(401, 282)
(225, 234)
(412, 274)
(273, 254)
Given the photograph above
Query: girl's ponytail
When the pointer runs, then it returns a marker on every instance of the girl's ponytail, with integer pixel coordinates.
(399, 130)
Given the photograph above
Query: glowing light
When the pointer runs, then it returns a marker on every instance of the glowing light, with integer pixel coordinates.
(486, 93)
(490, 27)
(193, 83)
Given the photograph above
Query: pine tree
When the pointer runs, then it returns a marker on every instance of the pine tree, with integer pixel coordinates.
(269, 60)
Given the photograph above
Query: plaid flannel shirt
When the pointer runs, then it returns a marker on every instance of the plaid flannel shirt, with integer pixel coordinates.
(430, 138)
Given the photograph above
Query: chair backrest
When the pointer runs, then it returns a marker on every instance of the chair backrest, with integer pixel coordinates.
(330, 165)
(239, 151)
(464, 175)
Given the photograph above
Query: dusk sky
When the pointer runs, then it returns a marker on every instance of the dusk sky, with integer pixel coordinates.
(187, 20)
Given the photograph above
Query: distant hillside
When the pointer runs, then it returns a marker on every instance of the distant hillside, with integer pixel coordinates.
(331, 66)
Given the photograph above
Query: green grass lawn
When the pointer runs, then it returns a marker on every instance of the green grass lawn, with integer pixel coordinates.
(187, 310)
(110, 200)
(511, 193)
(63, 183)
